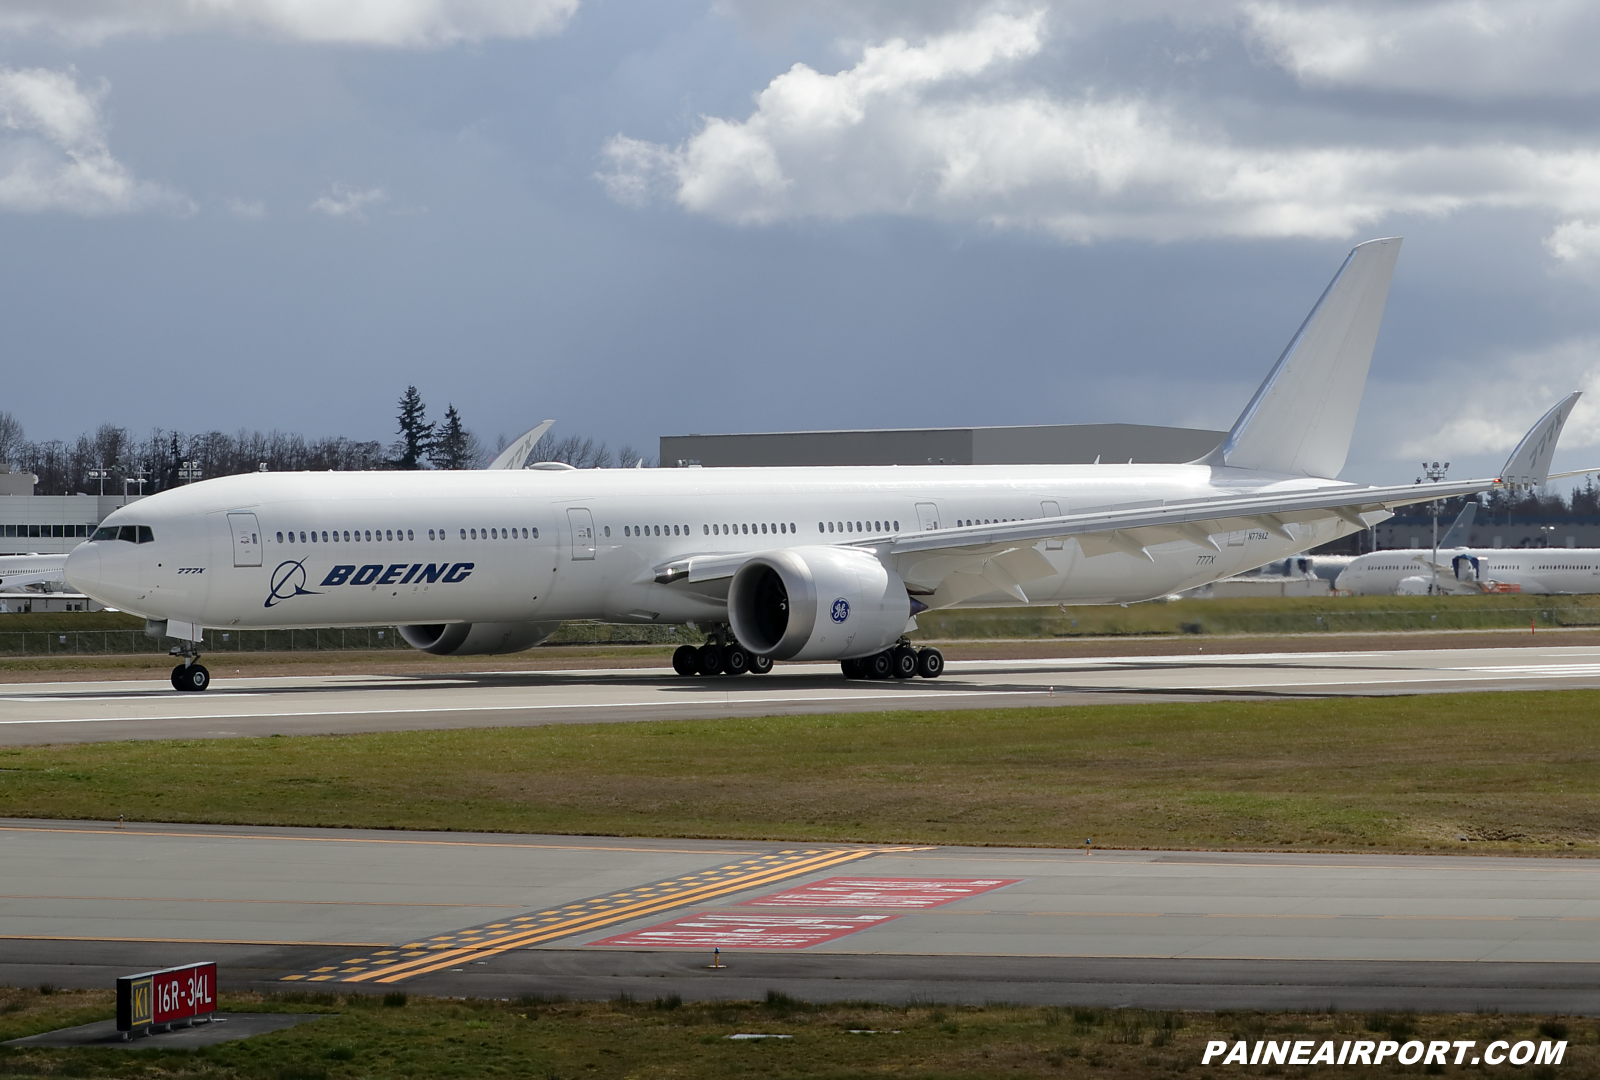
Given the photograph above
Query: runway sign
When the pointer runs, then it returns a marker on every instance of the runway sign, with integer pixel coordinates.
(859, 892)
(735, 930)
(166, 996)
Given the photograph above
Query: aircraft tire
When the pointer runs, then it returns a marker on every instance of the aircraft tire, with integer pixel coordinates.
(177, 677)
(760, 665)
(686, 660)
(904, 661)
(880, 665)
(195, 677)
(709, 658)
(735, 660)
(852, 668)
(930, 663)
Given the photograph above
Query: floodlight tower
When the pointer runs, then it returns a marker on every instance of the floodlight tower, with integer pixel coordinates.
(1434, 473)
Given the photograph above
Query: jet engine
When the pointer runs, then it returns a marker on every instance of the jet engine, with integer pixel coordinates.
(817, 603)
(476, 639)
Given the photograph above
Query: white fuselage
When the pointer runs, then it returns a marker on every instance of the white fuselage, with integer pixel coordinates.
(1477, 570)
(17, 572)
(534, 545)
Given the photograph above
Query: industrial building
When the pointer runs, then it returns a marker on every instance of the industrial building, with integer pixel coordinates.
(47, 524)
(1056, 444)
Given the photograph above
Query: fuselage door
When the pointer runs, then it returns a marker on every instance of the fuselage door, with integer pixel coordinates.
(246, 539)
(582, 523)
(1050, 508)
(928, 516)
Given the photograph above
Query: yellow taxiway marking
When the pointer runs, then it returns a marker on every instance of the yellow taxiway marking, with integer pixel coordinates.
(481, 942)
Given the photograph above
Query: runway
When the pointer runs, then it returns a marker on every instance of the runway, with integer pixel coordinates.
(99, 711)
(500, 916)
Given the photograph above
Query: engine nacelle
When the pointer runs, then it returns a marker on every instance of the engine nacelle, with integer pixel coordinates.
(817, 603)
(476, 639)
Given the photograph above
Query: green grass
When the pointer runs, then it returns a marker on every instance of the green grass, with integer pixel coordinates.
(535, 1037)
(1267, 615)
(1508, 771)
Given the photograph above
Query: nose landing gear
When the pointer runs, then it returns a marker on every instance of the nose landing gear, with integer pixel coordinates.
(191, 674)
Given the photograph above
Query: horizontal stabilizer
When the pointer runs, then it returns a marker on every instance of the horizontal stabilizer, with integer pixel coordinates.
(1302, 417)
(1529, 463)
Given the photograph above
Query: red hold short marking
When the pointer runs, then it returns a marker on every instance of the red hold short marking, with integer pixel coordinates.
(862, 892)
(734, 930)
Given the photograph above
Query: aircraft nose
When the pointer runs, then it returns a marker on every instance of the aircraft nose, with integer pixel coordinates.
(83, 569)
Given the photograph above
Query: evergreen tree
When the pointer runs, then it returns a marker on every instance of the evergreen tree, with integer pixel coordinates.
(453, 445)
(416, 434)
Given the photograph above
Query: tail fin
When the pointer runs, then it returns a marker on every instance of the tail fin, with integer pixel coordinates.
(1461, 529)
(1529, 463)
(515, 456)
(1302, 417)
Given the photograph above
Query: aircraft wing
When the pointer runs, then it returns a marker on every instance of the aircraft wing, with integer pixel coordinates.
(19, 581)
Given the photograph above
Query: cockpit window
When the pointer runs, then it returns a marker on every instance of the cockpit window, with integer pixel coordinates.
(145, 535)
(130, 533)
(105, 532)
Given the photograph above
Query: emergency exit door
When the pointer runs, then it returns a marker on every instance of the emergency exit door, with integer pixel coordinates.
(582, 523)
(1050, 508)
(928, 516)
(246, 539)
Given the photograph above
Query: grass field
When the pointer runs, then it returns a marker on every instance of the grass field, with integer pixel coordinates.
(1506, 772)
(555, 1040)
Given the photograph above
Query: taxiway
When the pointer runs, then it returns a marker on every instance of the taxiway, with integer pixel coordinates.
(100, 711)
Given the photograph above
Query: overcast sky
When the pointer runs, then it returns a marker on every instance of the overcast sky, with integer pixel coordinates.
(660, 217)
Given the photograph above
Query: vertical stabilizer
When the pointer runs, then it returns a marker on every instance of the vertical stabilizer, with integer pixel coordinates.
(1529, 463)
(1301, 419)
(1462, 529)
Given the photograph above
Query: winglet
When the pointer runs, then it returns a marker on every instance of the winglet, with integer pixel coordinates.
(515, 456)
(1302, 417)
(1529, 463)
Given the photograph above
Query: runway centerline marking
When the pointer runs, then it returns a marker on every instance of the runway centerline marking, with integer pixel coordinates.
(481, 942)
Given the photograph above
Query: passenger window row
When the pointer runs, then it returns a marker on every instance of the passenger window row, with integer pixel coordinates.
(858, 526)
(353, 536)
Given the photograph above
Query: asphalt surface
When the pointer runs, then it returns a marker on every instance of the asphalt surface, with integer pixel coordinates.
(495, 915)
(100, 711)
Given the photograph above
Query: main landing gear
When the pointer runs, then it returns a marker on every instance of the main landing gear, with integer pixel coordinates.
(900, 662)
(721, 655)
(191, 674)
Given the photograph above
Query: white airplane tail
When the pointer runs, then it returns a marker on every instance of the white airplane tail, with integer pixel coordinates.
(1529, 463)
(1302, 417)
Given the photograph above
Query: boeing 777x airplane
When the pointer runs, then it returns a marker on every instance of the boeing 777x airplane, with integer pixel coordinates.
(774, 564)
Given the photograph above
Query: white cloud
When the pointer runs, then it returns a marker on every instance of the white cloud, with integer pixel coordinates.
(1455, 48)
(54, 154)
(343, 201)
(1508, 393)
(933, 130)
(1575, 242)
(409, 23)
(247, 208)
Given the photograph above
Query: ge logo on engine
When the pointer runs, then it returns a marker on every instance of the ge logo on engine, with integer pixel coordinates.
(841, 609)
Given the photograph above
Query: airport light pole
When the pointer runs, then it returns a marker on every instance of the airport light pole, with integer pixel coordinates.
(101, 475)
(189, 471)
(1434, 473)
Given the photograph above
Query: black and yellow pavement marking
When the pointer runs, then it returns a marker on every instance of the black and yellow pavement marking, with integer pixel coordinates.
(489, 939)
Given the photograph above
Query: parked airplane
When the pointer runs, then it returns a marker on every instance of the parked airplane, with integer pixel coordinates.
(1464, 571)
(774, 564)
(20, 573)
(1379, 573)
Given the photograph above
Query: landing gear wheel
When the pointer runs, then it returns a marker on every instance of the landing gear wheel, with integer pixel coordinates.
(903, 662)
(879, 665)
(853, 668)
(686, 660)
(735, 661)
(177, 677)
(709, 657)
(930, 663)
(760, 665)
(193, 677)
